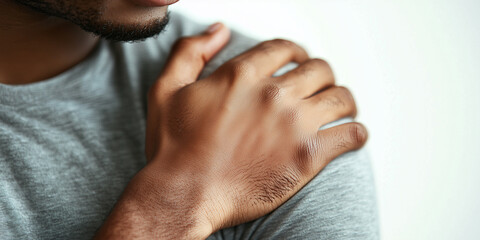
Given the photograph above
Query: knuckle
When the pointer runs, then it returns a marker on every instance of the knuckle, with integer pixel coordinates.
(357, 134)
(318, 63)
(274, 44)
(348, 99)
(333, 101)
(282, 42)
(240, 69)
(270, 93)
(322, 69)
(305, 154)
(243, 68)
(344, 92)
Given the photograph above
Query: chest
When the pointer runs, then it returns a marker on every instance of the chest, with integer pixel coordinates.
(63, 164)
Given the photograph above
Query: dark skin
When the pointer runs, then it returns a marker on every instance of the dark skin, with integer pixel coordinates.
(22, 31)
(47, 45)
(221, 151)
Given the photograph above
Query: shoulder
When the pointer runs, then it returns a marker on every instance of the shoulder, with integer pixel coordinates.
(339, 203)
(181, 26)
(144, 60)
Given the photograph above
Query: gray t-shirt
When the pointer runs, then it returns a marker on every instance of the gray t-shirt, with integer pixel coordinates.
(70, 144)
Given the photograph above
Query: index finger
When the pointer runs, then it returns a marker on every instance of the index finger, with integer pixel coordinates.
(188, 58)
(267, 57)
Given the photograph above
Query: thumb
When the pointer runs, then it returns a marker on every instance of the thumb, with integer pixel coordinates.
(188, 58)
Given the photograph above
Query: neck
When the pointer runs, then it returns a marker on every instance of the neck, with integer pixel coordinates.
(35, 47)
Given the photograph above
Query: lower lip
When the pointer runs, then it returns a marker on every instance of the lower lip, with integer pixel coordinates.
(155, 3)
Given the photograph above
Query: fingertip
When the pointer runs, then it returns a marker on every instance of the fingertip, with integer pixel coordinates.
(358, 134)
(218, 36)
(217, 28)
(214, 28)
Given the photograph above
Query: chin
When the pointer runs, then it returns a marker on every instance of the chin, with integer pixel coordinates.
(127, 12)
(119, 20)
(115, 30)
(125, 21)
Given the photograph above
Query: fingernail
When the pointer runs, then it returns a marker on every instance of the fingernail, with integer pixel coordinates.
(214, 27)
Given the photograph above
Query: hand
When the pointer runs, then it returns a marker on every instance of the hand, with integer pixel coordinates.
(234, 146)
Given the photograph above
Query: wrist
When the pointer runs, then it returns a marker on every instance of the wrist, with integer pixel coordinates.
(154, 209)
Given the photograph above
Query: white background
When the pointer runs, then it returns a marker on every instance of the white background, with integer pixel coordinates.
(414, 68)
